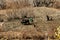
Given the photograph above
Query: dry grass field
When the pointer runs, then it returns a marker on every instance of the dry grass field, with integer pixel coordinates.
(45, 14)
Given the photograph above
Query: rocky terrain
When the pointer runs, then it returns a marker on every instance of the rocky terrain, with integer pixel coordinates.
(45, 14)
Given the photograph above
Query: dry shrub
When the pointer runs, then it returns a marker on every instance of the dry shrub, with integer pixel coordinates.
(41, 3)
(16, 3)
(2, 4)
(11, 35)
(3, 18)
(56, 4)
(12, 4)
(7, 26)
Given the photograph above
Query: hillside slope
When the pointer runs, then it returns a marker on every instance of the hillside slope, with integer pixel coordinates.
(17, 30)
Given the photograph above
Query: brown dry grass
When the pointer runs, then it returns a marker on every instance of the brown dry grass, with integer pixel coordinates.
(14, 29)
